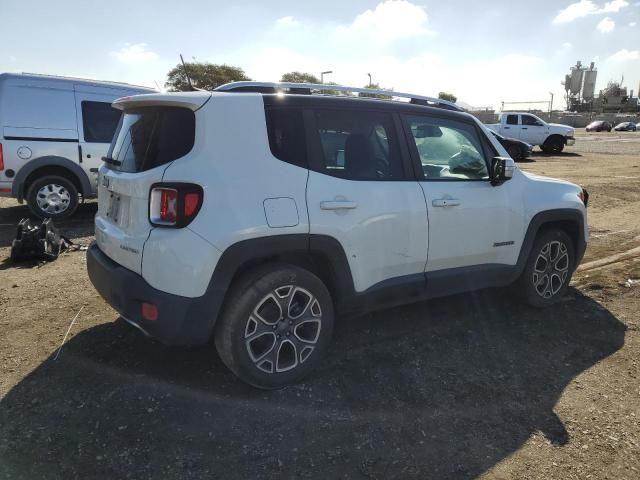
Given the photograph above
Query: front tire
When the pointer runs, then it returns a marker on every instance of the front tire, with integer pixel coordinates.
(515, 152)
(276, 326)
(553, 145)
(548, 270)
(52, 196)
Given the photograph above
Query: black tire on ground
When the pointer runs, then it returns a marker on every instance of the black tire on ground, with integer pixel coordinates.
(548, 270)
(261, 335)
(515, 152)
(52, 196)
(553, 144)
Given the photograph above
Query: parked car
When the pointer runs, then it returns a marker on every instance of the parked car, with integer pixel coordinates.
(550, 137)
(625, 127)
(55, 130)
(262, 217)
(599, 126)
(517, 149)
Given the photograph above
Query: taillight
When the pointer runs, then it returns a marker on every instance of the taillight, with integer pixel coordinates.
(174, 204)
(584, 196)
(1, 159)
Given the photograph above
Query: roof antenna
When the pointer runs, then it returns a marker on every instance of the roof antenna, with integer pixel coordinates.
(186, 73)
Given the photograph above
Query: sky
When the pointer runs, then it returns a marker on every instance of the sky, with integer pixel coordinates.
(483, 52)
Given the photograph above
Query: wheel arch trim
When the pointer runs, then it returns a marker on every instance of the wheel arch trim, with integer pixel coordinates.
(17, 188)
(550, 217)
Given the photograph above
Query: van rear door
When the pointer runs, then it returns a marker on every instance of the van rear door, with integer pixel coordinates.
(147, 140)
(97, 122)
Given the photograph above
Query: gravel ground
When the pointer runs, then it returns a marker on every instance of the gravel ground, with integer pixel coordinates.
(468, 386)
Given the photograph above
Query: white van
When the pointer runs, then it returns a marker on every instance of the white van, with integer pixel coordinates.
(54, 132)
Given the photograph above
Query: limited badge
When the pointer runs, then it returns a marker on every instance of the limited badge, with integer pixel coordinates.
(24, 152)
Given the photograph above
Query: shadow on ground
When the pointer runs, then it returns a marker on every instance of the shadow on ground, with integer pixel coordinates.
(80, 225)
(444, 389)
(539, 153)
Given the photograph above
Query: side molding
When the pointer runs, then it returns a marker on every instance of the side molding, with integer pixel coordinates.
(17, 190)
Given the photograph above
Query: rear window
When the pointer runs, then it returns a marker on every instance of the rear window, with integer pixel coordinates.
(149, 137)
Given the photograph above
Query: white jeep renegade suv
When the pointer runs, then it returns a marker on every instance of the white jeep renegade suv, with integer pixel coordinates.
(256, 218)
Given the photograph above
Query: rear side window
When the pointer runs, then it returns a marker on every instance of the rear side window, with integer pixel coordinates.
(358, 145)
(285, 127)
(152, 136)
(512, 119)
(99, 121)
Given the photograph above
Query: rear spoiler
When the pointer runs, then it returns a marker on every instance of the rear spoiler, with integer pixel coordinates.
(190, 100)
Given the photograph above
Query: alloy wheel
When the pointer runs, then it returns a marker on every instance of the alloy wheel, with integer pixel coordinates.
(283, 329)
(551, 269)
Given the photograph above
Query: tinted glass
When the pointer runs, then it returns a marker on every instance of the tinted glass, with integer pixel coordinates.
(529, 120)
(448, 150)
(358, 145)
(285, 127)
(152, 136)
(512, 119)
(99, 121)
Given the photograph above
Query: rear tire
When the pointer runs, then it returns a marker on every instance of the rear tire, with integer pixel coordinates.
(275, 326)
(52, 196)
(548, 270)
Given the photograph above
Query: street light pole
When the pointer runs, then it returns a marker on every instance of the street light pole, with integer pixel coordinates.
(370, 82)
(322, 74)
(550, 105)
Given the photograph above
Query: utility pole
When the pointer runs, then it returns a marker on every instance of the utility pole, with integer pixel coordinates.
(370, 82)
(550, 106)
(322, 74)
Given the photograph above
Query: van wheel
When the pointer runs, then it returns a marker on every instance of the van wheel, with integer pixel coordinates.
(275, 327)
(548, 270)
(553, 145)
(53, 197)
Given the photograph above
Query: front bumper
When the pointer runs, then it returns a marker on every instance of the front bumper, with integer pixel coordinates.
(569, 141)
(181, 320)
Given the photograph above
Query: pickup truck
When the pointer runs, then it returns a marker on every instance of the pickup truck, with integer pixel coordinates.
(550, 137)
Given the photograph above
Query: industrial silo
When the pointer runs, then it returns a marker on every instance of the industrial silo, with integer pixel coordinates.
(589, 87)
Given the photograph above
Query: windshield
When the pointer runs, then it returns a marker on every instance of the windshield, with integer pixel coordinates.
(149, 137)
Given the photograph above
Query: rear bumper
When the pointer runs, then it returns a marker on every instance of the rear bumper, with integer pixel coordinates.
(181, 320)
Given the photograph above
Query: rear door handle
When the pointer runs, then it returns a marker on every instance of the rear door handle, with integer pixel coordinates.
(338, 205)
(525, 128)
(445, 202)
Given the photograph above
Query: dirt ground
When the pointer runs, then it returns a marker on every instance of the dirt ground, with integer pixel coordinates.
(463, 387)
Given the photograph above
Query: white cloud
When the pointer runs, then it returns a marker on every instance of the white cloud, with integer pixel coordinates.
(584, 8)
(390, 20)
(567, 45)
(624, 55)
(606, 25)
(287, 21)
(134, 53)
(632, 24)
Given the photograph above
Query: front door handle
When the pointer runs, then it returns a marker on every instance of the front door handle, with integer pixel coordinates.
(445, 202)
(525, 128)
(338, 205)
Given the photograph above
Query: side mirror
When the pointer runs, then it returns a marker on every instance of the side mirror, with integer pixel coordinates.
(501, 170)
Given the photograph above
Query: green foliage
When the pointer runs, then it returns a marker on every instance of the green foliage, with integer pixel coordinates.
(299, 77)
(448, 96)
(375, 86)
(203, 75)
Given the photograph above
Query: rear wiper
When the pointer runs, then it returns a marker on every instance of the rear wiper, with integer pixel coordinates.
(111, 161)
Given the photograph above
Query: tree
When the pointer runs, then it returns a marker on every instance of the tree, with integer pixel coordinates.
(375, 86)
(203, 75)
(450, 97)
(299, 77)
